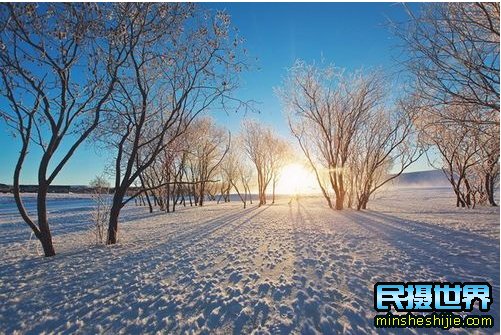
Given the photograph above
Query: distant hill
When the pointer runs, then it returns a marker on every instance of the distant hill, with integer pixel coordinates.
(431, 178)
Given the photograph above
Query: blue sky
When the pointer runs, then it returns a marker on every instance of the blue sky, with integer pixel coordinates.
(348, 35)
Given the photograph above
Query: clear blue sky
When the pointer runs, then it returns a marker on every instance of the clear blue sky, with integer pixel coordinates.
(349, 35)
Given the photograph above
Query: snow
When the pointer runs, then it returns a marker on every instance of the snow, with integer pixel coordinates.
(280, 269)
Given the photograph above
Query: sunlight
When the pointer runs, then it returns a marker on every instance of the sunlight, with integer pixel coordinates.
(296, 179)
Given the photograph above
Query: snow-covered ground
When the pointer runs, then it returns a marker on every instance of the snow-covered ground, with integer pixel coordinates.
(298, 268)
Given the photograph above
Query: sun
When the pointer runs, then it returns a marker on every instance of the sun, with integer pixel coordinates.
(296, 179)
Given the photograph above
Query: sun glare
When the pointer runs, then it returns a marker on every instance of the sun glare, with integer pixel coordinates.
(296, 179)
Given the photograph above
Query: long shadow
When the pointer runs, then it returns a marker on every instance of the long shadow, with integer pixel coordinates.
(198, 231)
(349, 292)
(429, 250)
(454, 246)
(73, 219)
(316, 298)
(179, 245)
(71, 223)
(460, 236)
(147, 259)
(442, 252)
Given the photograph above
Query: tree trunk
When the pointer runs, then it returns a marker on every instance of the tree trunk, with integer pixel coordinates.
(167, 198)
(201, 195)
(359, 203)
(175, 195)
(43, 223)
(459, 201)
(262, 197)
(468, 193)
(249, 193)
(273, 197)
(339, 200)
(195, 196)
(341, 192)
(114, 214)
(146, 193)
(46, 239)
(489, 187)
(329, 201)
(149, 201)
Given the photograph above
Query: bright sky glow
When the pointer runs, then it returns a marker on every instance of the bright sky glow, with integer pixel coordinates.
(296, 179)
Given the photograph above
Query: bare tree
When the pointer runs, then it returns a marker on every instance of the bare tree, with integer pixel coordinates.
(100, 194)
(489, 161)
(453, 53)
(281, 154)
(209, 145)
(235, 169)
(58, 69)
(178, 65)
(326, 108)
(384, 146)
(465, 154)
(258, 141)
(309, 143)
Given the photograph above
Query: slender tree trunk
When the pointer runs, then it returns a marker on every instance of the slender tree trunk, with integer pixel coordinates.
(146, 193)
(489, 187)
(149, 201)
(468, 193)
(459, 201)
(46, 240)
(329, 201)
(274, 185)
(175, 195)
(245, 197)
(341, 193)
(339, 200)
(364, 203)
(167, 198)
(195, 196)
(43, 223)
(201, 195)
(114, 214)
(160, 201)
(262, 190)
(113, 227)
(249, 193)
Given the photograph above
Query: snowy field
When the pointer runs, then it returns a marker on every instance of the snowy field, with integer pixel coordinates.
(301, 269)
